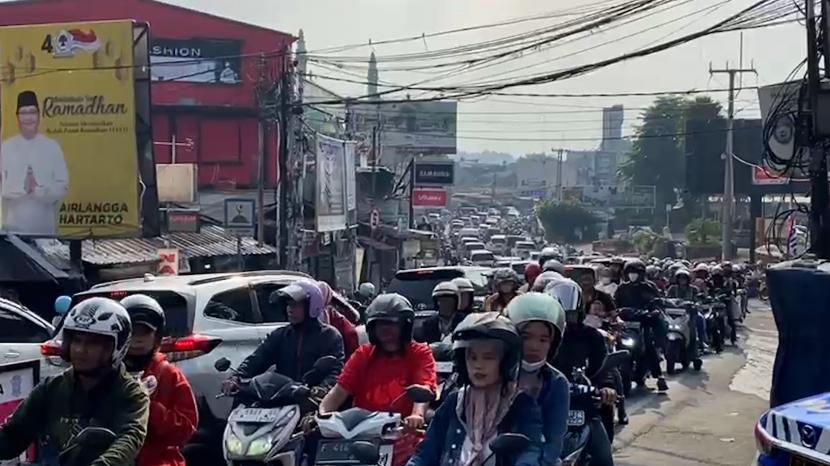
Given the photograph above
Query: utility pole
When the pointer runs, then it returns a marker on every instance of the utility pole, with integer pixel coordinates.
(727, 207)
(375, 140)
(559, 176)
(282, 163)
(260, 191)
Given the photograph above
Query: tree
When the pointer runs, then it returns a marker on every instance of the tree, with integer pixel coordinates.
(567, 221)
(657, 156)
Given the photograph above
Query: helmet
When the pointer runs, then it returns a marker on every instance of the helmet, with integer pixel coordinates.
(487, 326)
(464, 285)
(307, 292)
(634, 266)
(544, 278)
(547, 254)
(652, 271)
(701, 267)
(445, 289)
(617, 260)
(101, 316)
(62, 304)
(716, 270)
(390, 307)
(531, 307)
(367, 290)
(505, 275)
(532, 271)
(682, 273)
(567, 291)
(146, 310)
(553, 265)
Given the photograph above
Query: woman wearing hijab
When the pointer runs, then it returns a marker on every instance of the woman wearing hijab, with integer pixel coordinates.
(488, 353)
(334, 318)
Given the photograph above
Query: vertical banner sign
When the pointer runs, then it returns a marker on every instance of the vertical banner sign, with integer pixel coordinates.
(330, 202)
(351, 182)
(68, 157)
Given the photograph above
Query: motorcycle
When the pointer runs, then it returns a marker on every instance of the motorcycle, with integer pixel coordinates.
(263, 428)
(341, 430)
(585, 411)
(504, 447)
(716, 320)
(86, 447)
(680, 346)
(631, 339)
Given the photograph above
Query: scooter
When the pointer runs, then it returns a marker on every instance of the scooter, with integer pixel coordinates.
(631, 339)
(341, 430)
(716, 321)
(679, 347)
(262, 429)
(86, 447)
(504, 447)
(585, 411)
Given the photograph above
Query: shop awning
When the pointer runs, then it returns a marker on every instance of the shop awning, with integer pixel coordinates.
(20, 262)
(367, 242)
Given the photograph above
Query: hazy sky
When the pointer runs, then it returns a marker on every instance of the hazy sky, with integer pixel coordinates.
(561, 122)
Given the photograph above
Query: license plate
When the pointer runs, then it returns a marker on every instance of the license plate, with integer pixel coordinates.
(799, 461)
(634, 325)
(443, 367)
(337, 452)
(576, 418)
(254, 415)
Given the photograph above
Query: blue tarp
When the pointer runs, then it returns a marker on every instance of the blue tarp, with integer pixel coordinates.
(800, 300)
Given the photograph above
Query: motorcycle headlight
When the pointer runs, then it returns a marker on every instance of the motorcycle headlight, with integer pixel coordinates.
(674, 327)
(233, 444)
(627, 341)
(260, 446)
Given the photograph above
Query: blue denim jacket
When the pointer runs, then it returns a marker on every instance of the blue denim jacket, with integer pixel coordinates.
(554, 403)
(446, 433)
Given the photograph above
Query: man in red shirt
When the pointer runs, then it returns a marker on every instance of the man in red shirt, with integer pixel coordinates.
(378, 373)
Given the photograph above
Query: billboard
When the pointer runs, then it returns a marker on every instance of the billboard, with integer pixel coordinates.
(429, 197)
(211, 61)
(442, 173)
(331, 200)
(620, 197)
(68, 154)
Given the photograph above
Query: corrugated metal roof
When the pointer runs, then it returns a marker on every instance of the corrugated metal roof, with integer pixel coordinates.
(210, 242)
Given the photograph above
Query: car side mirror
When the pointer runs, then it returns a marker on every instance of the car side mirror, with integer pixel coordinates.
(222, 365)
(365, 452)
(419, 394)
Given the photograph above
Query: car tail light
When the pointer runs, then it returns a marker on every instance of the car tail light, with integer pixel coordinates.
(50, 348)
(191, 346)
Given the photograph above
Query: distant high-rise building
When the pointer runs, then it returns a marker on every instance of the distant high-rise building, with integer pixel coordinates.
(612, 122)
(373, 75)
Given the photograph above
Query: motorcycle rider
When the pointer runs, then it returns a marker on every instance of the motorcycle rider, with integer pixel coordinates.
(682, 287)
(365, 293)
(173, 413)
(639, 294)
(584, 347)
(506, 283)
(435, 328)
(377, 373)
(487, 352)
(541, 323)
(720, 286)
(616, 269)
(606, 284)
(95, 391)
(333, 317)
(466, 295)
(532, 271)
(548, 253)
(294, 348)
(590, 292)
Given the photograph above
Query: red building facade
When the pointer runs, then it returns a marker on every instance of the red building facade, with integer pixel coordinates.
(205, 71)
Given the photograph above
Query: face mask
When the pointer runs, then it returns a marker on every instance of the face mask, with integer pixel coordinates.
(633, 277)
(592, 321)
(532, 366)
(605, 280)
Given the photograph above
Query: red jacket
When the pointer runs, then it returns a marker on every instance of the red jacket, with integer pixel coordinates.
(173, 416)
(347, 329)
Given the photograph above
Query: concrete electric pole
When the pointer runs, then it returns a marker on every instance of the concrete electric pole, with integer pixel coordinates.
(728, 203)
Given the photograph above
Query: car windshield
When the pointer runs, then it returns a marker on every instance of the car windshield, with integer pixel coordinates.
(178, 321)
(497, 240)
(483, 256)
(417, 285)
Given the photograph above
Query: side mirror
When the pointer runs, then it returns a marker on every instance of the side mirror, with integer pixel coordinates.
(419, 394)
(506, 445)
(611, 361)
(365, 452)
(322, 367)
(222, 365)
(62, 305)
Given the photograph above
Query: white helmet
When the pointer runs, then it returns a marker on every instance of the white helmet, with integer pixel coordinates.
(567, 291)
(101, 316)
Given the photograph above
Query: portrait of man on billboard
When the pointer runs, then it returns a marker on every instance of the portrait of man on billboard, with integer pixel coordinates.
(33, 174)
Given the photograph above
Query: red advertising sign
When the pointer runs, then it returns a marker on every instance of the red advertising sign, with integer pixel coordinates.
(767, 177)
(429, 197)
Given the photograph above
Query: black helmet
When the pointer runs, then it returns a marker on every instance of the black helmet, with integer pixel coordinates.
(487, 326)
(635, 266)
(390, 307)
(145, 310)
(652, 271)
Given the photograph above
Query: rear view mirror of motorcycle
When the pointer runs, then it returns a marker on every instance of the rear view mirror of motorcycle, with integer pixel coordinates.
(322, 367)
(509, 444)
(611, 361)
(365, 452)
(419, 394)
(222, 365)
(87, 446)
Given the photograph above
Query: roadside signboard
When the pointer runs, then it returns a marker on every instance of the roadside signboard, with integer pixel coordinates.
(761, 176)
(429, 197)
(240, 216)
(17, 380)
(168, 262)
(436, 173)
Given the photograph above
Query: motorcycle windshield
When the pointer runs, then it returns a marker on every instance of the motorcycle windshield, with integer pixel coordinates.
(269, 386)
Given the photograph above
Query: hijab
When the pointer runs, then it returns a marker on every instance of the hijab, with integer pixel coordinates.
(327, 293)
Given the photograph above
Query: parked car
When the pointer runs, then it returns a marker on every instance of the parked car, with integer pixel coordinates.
(21, 334)
(209, 317)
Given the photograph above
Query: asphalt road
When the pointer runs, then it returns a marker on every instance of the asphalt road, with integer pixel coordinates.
(705, 418)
